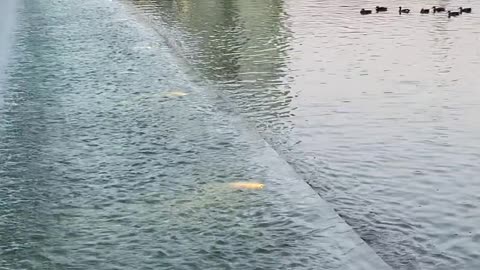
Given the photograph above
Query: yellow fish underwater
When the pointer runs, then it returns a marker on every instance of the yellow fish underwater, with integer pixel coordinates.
(247, 185)
(176, 94)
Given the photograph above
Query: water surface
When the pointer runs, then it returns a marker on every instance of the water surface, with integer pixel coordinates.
(377, 113)
(116, 154)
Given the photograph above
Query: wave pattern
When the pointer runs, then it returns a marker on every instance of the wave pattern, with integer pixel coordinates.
(377, 113)
(114, 156)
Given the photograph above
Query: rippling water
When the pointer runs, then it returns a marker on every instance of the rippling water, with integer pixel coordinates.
(378, 113)
(115, 154)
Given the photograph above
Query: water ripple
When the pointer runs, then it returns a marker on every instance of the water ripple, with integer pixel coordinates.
(377, 112)
(114, 155)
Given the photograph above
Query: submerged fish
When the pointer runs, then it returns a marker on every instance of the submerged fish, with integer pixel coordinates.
(176, 94)
(247, 185)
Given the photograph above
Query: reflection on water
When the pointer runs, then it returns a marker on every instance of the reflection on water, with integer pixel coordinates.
(377, 113)
(240, 44)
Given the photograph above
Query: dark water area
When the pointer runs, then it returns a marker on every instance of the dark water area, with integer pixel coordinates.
(116, 154)
(377, 113)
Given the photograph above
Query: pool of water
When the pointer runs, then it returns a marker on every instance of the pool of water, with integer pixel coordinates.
(377, 113)
(116, 154)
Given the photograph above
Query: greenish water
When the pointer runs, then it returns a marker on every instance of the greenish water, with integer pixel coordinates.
(116, 154)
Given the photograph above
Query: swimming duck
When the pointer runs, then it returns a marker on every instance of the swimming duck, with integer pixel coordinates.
(365, 11)
(438, 9)
(404, 10)
(380, 9)
(424, 11)
(453, 13)
(465, 10)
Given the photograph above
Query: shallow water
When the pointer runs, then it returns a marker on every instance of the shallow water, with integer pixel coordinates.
(115, 154)
(378, 113)
(104, 164)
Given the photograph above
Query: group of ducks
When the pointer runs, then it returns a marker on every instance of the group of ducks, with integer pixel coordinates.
(422, 11)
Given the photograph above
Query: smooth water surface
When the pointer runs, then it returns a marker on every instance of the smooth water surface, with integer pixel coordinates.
(115, 154)
(378, 113)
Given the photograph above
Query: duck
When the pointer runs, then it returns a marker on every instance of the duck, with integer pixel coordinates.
(365, 11)
(404, 10)
(465, 10)
(453, 13)
(424, 11)
(438, 9)
(380, 9)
